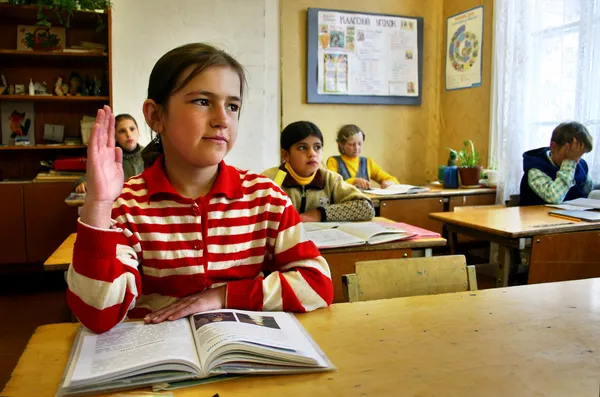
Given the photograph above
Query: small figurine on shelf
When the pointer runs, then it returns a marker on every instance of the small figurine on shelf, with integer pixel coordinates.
(41, 88)
(4, 86)
(75, 83)
(88, 86)
(60, 88)
(97, 87)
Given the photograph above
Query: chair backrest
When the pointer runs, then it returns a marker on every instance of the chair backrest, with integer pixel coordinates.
(514, 200)
(393, 278)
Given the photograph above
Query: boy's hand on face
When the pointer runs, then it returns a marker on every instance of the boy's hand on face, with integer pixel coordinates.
(574, 150)
(313, 215)
(362, 183)
(210, 299)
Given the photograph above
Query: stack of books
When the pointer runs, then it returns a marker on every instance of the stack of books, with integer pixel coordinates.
(58, 176)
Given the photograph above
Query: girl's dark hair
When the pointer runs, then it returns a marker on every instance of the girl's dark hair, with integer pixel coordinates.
(125, 116)
(347, 132)
(165, 76)
(297, 131)
(565, 132)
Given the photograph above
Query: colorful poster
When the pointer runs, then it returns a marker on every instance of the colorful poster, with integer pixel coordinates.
(464, 41)
(363, 54)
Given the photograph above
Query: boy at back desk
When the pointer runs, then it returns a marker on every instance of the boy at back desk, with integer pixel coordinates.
(558, 173)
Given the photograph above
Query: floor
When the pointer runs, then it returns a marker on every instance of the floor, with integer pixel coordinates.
(27, 300)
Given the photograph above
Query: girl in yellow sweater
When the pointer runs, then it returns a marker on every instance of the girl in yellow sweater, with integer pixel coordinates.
(351, 166)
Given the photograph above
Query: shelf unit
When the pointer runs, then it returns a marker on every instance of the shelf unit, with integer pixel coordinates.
(37, 219)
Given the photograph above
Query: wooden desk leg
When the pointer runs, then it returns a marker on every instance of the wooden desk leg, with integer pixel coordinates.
(452, 241)
(504, 265)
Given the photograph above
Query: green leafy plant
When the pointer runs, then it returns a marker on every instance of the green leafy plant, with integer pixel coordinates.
(64, 10)
(467, 156)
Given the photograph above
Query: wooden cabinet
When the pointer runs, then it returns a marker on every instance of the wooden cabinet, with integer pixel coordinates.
(413, 211)
(47, 229)
(12, 232)
(35, 220)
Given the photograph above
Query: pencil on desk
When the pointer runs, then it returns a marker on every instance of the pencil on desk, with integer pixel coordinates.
(564, 217)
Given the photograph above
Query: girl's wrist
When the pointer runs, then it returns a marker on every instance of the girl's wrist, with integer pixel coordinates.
(97, 214)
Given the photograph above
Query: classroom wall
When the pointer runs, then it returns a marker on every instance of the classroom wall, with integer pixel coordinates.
(248, 29)
(465, 114)
(403, 139)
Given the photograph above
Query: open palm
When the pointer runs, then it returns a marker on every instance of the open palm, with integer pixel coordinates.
(105, 161)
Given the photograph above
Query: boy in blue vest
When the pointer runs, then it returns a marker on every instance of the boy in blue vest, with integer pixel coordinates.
(557, 173)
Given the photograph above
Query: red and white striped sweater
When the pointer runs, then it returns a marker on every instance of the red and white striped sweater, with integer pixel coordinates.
(244, 232)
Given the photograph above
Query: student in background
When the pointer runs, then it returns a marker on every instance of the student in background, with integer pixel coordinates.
(190, 233)
(317, 193)
(557, 173)
(127, 136)
(351, 166)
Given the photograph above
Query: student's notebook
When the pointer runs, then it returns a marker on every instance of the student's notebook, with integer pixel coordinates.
(588, 216)
(397, 189)
(580, 204)
(354, 233)
(217, 343)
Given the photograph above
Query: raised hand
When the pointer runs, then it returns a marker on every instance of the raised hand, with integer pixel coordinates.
(105, 161)
(104, 171)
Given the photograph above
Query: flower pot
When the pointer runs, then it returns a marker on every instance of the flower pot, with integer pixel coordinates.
(469, 176)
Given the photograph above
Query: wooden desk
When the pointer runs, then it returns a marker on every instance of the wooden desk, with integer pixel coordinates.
(414, 209)
(341, 260)
(62, 256)
(535, 340)
(560, 249)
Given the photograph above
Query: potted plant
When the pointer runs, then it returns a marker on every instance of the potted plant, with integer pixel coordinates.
(64, 9)
(469, 169)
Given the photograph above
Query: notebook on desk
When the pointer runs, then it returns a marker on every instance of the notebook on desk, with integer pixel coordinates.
(397, 189)
(577, 215)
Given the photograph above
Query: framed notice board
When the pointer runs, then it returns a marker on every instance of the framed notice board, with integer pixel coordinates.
(364, 58)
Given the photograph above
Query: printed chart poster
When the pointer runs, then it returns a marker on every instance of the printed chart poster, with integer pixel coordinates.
(367, 55)
(464, 38)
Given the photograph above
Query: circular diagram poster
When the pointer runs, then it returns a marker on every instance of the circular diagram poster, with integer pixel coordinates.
(464, 40)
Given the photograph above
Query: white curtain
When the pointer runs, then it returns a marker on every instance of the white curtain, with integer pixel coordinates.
(546, 69)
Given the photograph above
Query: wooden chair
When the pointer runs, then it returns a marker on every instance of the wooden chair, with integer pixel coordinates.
(393, 278)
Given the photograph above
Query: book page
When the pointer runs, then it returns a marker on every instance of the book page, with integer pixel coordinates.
(585, 202)
(569, 207)
(331, 238)
(131, 346)
(312, 226)
(397, 189)
(217, 329)
(374, 233)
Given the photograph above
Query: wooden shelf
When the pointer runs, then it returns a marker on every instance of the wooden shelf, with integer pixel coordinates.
(50, 54)
(54, 98)
(43, 147)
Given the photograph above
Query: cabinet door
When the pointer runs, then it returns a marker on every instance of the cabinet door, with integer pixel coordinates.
(48, 220)
(12, 232)
(413, 211)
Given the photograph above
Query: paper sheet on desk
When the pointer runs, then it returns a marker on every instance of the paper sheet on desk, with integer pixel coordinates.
(569, 207)
(397, 189)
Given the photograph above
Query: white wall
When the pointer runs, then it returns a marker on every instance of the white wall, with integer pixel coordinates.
(144, 30)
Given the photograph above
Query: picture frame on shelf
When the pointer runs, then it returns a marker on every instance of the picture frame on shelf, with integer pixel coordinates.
(40, 38)
(18, 120)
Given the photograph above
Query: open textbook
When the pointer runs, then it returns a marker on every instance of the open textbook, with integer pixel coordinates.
(348, 234)
(397, 189)
(580, 204)
(204, 345)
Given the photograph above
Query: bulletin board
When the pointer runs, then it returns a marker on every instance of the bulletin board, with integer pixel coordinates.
(364, 58)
